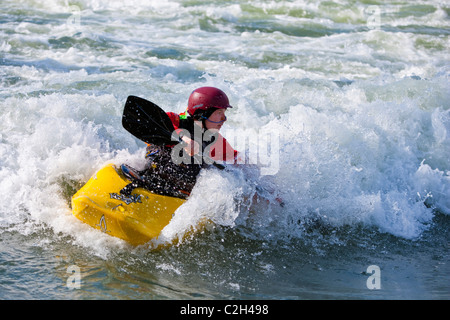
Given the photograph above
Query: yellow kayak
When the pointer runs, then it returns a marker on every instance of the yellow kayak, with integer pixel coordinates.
(137, 218)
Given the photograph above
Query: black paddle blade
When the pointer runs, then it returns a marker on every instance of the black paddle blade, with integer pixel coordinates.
(147, 122)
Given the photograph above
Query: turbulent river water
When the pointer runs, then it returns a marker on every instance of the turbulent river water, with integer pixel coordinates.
(342, 108)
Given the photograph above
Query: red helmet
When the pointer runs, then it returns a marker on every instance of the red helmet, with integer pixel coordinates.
(205, 98)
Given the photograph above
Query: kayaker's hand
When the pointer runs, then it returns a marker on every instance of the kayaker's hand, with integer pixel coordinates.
(192, 147)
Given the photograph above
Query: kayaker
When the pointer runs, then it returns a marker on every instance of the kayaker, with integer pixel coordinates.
(173, 169)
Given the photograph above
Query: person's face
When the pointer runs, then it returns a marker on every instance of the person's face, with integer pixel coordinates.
(216, 120)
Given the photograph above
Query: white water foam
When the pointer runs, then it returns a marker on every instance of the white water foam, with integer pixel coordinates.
(362, 115)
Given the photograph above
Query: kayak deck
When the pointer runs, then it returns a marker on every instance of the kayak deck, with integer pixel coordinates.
(137, 218)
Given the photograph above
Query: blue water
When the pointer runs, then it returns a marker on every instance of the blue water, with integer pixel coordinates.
(340, 106)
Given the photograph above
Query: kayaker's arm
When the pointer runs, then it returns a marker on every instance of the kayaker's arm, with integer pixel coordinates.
(192, 147)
